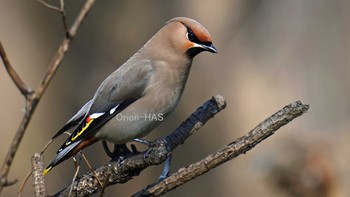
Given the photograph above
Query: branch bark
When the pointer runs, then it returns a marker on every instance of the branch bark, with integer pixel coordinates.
(121, 172)
(38, 177)
(230, 151)
(33, 98)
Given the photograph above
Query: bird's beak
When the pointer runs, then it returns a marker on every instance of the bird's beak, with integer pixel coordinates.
(209, 48)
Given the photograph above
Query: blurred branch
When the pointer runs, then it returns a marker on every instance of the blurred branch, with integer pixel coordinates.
(22, 87)
(64, 20)
(50, 6)
(33, 99)
(38, 177)
(122, 171)
(61, 11)
(232, 150)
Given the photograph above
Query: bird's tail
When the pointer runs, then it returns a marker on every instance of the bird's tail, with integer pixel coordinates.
(62, 154)
(47, 169)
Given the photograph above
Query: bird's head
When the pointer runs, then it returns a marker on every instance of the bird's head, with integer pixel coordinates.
(190, 37)
(181, 37)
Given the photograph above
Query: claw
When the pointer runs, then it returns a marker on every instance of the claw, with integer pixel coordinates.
(145, 142)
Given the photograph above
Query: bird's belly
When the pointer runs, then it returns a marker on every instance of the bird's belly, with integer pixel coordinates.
(135, 121)
(124, 128)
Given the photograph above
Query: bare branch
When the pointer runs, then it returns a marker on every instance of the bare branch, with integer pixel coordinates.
(64, 20)
(64, 48)
(35, 97)
(121, 172)
(232, 150)
(85, 10)
(23, 183)
(57, 9)
(61, 10)
(38, 177)
(23, 88)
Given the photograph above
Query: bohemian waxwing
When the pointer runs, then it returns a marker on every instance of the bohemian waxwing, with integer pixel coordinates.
(141, 93)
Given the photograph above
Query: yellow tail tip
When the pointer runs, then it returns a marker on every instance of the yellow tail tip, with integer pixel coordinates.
(47, 170)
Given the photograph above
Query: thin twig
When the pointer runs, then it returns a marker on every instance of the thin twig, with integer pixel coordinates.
(36, 96)
(232, 150)
(64, 48)
(104, 186)
(23, 183)
(62, 11)
(22, 87)
(122, 171)
(85, 10)
(90, 167)
(64, 20)
(50, 6)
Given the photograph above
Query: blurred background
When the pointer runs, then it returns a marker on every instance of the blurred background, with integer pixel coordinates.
(271, 53)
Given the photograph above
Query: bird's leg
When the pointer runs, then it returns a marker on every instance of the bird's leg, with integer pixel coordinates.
(106, 148)
(134, 149)
(120, 152)
(166, 169)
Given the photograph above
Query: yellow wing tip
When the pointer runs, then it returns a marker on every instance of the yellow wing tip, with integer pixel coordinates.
(47, 170)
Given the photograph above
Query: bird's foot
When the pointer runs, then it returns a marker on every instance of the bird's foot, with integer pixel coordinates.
(166, 169)
(145, 142)
(120, 151)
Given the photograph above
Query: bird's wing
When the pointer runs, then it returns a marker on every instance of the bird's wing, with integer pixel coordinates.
(94, 120)
(118, 91)
(84, 133)
(75, 120)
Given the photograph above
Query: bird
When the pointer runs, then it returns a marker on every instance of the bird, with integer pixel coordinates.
(151, 82)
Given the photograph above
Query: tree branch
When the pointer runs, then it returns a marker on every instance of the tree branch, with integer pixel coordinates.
(35, 97)
(61, 10)
(64, 20)
(232, 150)
(63, 48)
(38, 177)
(22, 87)
(57, 9)
(121, 172)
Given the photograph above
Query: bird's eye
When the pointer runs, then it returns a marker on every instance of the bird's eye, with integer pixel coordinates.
(190, 36)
